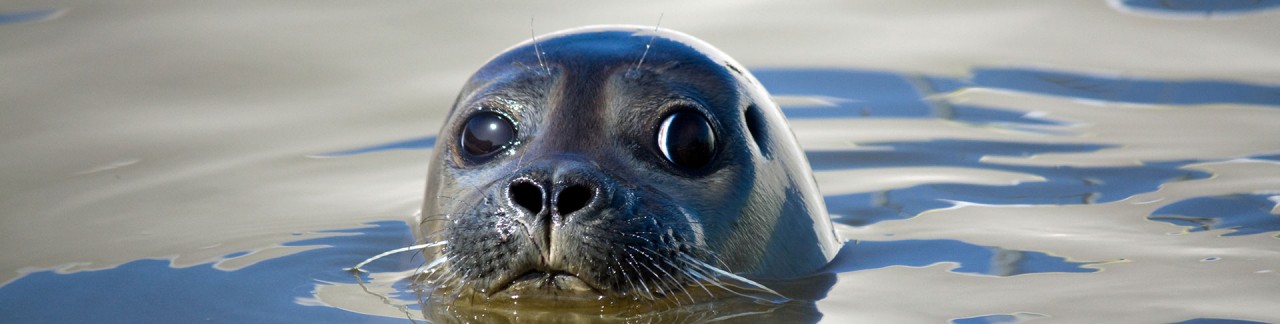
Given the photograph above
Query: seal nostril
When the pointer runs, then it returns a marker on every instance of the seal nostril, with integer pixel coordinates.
(573, 198)
(527, 195)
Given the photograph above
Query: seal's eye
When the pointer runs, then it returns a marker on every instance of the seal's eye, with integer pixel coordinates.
(486, 133)
(686, 139)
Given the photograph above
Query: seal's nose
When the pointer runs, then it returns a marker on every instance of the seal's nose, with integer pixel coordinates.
(560, 188)
(527, 194)
(554, 194)
(573, 197)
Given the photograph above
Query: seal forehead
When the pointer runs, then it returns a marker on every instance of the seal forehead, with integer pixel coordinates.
(605, 46)
(583, 77)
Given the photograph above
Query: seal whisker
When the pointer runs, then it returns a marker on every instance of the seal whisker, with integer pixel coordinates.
(691, 278)
(670, 278)
(738, 279)
(656, 284)
(435, 264)
(650, 254)
(627, 276)
(645, 283)
(537, 51)
(437, 218)
(687, 272)
(696, 271)
(429, 236)
(635, 71)
(403, 249)
(617, 271)
(449, 265)
(646, 292)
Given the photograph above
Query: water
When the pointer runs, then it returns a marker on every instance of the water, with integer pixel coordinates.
(995, 162)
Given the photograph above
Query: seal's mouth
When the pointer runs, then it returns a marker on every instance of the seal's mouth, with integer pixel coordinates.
(536, 283)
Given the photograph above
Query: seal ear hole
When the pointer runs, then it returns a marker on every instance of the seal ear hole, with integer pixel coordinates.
(527, 195)
(756, 126)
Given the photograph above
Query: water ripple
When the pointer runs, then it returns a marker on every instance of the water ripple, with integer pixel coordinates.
(972, 259)
(30, 16)
(268, 291)
(1243, 214)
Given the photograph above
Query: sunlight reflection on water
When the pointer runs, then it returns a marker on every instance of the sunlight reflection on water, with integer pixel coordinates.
(1008, 194)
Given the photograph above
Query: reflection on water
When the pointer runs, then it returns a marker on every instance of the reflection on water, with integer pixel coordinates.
(421, 143)
(1198, 7)
(1117, 88)
(275, 290)
(1003, 195)
(1242, 214)
(311, 285)
(970, 258)
(998, 318)
(29, 16)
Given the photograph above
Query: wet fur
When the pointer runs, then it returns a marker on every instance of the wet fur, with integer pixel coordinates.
(585, 110)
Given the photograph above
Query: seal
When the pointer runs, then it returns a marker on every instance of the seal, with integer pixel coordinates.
(618, 162)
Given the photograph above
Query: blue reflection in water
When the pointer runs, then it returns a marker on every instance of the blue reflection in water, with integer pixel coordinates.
(981, 116)
(954, 153)
(1118, 89)
(862, 94)
(1244, 214)
(974, 259)
(1062, 185)
(869, 94)
(866, 93)
(1202, 6)
(1269, 157)
(986, 319)
(1218, 321)
(420, 143)
(27, 16)
(150, 291)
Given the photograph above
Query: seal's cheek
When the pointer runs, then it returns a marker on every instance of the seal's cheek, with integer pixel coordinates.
(486, 245)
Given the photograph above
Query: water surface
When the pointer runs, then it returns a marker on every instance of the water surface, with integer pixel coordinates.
(996, 162)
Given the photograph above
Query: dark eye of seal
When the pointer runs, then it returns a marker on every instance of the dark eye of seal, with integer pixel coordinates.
(486, 133)
(687, 140)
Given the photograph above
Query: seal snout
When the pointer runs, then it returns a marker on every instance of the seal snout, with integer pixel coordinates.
(560, 188)
(553, 197)
(569, 198)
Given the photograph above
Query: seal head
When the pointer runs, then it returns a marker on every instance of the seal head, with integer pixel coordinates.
(617, 162)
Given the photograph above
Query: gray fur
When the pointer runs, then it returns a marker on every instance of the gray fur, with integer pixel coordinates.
(582, 118)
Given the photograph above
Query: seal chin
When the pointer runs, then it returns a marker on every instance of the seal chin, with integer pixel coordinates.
(556, 285)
